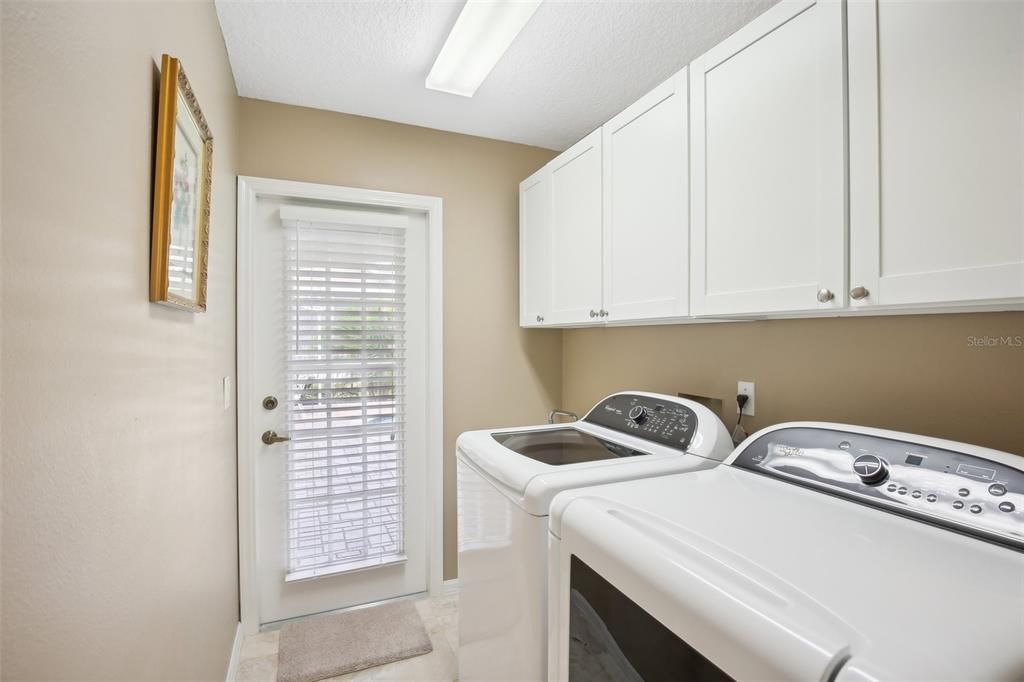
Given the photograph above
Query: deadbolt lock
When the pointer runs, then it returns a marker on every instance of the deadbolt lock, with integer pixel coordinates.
(270, 403)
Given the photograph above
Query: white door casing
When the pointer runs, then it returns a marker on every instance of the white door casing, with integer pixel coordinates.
(936, 151)
(646, 206)
(768, 172)
(265, 594)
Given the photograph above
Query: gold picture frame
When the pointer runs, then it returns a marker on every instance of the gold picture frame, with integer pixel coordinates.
(182, 181)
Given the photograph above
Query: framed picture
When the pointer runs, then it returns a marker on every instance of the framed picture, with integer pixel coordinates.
(181, 194)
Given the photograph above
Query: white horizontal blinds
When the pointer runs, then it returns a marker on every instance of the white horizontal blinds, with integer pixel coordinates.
(345, 369)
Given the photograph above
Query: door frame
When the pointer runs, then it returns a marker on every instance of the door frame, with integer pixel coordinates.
(249, 189)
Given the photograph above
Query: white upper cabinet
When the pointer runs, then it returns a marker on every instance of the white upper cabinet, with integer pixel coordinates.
(830, 156)
(576, 233)
(936, 151)
(646, 203)
(768, 165)
(535, 248)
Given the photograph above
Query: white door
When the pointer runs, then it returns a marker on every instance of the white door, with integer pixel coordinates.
(576, 233)
(936, 151)
(340, 342)
(646, 199)
(768, 172)
(535, 248)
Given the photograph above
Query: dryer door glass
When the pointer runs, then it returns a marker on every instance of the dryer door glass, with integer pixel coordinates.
(612, 638)
(562, 446)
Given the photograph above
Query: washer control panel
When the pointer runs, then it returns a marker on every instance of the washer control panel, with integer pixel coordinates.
(972, 494)
(663, 421)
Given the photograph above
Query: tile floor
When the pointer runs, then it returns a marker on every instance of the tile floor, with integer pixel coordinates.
(258, 661)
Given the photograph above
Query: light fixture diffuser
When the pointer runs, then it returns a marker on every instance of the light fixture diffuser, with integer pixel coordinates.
(481, 35)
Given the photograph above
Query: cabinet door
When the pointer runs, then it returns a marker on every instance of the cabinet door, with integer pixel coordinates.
(535, 248)
(936, 151)
(646, 198)
(768, 173)
(576, 233)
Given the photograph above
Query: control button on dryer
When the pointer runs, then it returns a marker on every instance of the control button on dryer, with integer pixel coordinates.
(997, 489)
(916, 494)
(1006, 506)
(963, 492)
(871, 469)
(975, 508)
(902, 490)
(958, 504)
(931, 498)
(891, 487)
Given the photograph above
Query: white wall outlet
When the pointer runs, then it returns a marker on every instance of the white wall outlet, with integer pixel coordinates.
(746, 388)
(227, 392)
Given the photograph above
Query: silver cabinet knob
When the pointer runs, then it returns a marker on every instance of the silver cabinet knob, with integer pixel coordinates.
(857, 293)
(603, 312)
(540, 318)
(825, 295)
(593, 313)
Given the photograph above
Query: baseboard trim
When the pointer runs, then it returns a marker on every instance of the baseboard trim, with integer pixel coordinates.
(450, 586)
(236, 654)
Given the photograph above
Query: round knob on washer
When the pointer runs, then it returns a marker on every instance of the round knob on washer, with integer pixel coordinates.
(871, 469)
(638, 414)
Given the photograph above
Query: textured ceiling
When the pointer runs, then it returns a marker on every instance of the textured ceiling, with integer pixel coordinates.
(574, 65)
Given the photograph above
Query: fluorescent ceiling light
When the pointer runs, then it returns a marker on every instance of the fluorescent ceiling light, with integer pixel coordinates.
(481, 35)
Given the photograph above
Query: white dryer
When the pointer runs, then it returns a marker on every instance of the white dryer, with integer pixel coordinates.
(816, 552)
(506, 481)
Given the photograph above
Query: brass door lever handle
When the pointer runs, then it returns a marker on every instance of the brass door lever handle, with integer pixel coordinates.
(271, 437)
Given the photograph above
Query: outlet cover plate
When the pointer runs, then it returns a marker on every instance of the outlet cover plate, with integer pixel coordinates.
(746, 388)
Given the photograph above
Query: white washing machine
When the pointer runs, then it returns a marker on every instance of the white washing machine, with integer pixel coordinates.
(506, 481)
(816, 552)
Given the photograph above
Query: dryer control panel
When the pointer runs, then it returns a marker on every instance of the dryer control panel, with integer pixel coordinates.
(955, 489)
(663, 421)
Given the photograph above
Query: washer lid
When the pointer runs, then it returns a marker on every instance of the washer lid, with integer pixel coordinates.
(532, 484)
(903, 599)
(561, 446)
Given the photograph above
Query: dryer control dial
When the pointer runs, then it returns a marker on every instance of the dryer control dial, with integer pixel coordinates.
(871, 469)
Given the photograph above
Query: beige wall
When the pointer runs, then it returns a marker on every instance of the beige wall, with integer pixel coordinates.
(911, 373)
(119, 521)
(495, 373)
